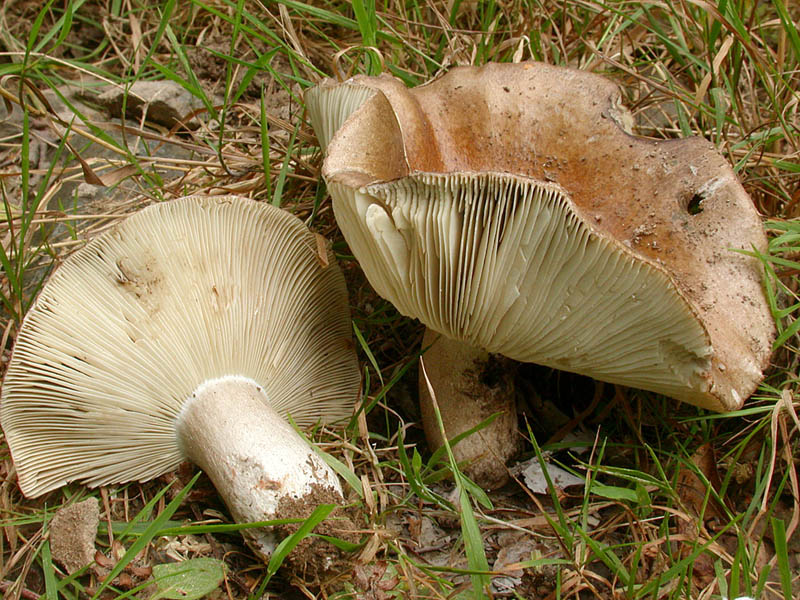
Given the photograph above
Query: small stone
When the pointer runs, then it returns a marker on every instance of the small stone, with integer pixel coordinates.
(165, 103)
(87, 192)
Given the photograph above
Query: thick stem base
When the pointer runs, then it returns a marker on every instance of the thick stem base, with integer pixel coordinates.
(469, 389)
(254, 457)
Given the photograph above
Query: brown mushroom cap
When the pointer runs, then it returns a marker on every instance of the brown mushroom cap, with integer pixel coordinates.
(507, 207)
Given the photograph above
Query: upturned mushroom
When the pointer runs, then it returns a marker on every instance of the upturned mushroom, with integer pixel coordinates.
(191, 330)
(509, 209)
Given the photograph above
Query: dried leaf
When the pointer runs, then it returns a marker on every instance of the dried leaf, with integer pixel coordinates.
(117, 175)
(533, 476)
(519, 550)
(322, 250)
(692, 489)
(88, 173)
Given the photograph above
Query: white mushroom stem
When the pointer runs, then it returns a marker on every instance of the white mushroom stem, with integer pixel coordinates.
(253, 456)
(468, 391)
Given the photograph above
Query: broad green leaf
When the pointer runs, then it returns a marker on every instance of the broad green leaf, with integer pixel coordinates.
(189, 579)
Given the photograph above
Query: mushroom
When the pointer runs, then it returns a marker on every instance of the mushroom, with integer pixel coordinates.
(509, 209)
(191, 330)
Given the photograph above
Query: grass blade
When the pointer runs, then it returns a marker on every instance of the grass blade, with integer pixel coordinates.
(365, 347)
(782, 554)
(473, 540)
(277, 194)
(50, 584)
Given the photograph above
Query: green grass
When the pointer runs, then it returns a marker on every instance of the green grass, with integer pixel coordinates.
(727, 70)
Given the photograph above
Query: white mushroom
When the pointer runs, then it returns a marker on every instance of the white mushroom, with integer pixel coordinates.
(508, 209)
(191, 330)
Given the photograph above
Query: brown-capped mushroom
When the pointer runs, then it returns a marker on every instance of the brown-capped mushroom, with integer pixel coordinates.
(190, 330)
(509, 209)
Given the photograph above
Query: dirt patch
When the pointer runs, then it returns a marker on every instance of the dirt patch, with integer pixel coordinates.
(17, 18)
(494, 375)
(207, 61)
(314, 560)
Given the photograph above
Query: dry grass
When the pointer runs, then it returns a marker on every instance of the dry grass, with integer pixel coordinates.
(679, 504)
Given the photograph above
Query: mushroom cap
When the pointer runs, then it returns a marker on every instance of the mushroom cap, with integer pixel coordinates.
(130, 325)
(507, 207)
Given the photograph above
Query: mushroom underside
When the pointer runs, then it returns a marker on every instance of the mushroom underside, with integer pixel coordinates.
(504, 264)
(191, 330)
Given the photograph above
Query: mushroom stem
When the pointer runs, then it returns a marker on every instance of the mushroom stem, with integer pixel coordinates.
(470, 386)
(254, 457)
